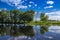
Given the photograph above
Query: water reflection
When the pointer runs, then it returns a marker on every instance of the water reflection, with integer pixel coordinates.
(54, 29)
(43, 29)
(36, 32)
(16, 30)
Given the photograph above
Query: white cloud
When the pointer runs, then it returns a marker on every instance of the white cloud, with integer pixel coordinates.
(54, 29)
(29, 5)
(48, 7)
(21, 7)
(50, 2)
(16, 3)
(31, 2)
(54, 15)
(35, 4)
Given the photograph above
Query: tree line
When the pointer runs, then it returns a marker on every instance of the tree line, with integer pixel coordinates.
(16, 16)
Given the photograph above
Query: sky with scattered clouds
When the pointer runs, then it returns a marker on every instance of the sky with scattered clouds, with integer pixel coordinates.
(50, 7)
(36, 5)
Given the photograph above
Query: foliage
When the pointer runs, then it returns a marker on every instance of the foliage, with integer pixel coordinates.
(43, 17)
(15, 16)
(27, 30)
(43, 29)
(17, 31)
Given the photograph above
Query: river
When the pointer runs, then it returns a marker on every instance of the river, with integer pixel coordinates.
(53, 33)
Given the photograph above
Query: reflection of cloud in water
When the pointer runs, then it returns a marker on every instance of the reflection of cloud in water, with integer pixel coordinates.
(49, 37)
(53, 34)
(55, 29)
(36, 28)
(17, 38)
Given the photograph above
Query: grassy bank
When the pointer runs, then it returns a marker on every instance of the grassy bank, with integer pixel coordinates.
(44, 23)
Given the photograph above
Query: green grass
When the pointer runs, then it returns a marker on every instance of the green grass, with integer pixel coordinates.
(44, 23)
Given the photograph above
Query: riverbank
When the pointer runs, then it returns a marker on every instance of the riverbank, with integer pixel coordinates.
(44, 23)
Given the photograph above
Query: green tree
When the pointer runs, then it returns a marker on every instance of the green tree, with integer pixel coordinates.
(28, 16)
(27, 30)
(43, 17)
(3, 15)
(43, 29)
(14, 14)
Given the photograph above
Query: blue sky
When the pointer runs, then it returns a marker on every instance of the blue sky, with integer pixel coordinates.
(50, 7)
(36, 5)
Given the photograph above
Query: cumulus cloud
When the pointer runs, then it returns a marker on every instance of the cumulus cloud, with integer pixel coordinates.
(50, 2)
(35, 4)
(29, 5)
(48, 7)
(54, 15)
(31, 2)
(16, 3)
(21, 7)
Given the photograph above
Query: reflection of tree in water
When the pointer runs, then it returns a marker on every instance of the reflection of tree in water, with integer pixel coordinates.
(14, 31)
(20, 30)
(17, 31)
(43, 29)
(27, 30)
(3, 30)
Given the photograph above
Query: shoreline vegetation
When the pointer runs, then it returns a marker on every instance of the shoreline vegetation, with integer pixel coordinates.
(15, 17)
(44, 23)
(19, 17)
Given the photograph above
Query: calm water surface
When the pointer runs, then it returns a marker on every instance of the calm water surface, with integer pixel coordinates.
(53, 33)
